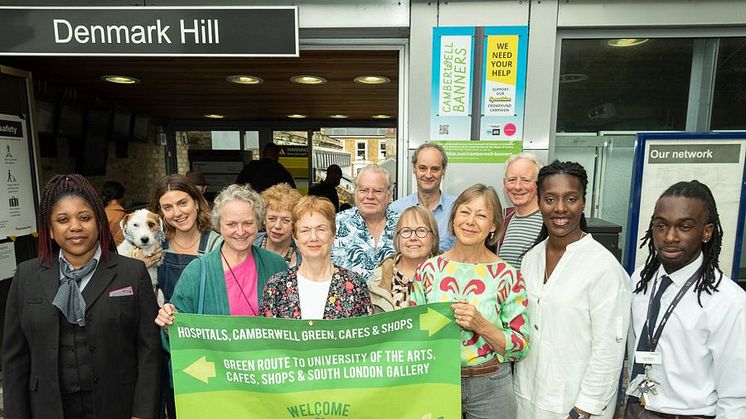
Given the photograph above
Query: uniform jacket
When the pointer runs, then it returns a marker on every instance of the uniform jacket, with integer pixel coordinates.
(123, 341)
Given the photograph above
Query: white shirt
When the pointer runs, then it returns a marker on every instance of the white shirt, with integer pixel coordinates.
(579, 320)
(703, 348)
(312, 296)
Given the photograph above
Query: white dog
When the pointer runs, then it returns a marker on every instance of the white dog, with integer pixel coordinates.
(143, 230)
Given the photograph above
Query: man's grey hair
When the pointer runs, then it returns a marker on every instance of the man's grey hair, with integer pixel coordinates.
(443, 156)
(239, 193)
(374, 168)
(533, 158)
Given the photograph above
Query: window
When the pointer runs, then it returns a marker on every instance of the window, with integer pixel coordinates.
(381, 150)
(640, 87)
(361, 150)
(729, 98)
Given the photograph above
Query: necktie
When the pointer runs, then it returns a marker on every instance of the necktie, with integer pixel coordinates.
(69, 299)
(655, 307)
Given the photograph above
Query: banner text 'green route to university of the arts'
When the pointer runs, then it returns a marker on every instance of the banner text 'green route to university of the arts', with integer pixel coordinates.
(402, 364)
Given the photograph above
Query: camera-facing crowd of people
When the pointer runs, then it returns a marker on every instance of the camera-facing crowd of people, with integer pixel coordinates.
(546, 312)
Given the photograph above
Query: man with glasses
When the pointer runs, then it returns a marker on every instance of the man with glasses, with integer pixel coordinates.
(523, 221)
(429, 163)
(365, 234)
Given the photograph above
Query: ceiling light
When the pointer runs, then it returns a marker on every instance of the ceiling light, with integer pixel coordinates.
(380, 116)
(214, 116)
(118, 79)
(572, 77)
(372, 80)
(338, 116)
(626, 42)
(308, 80)
(297, 116)
(244, 79)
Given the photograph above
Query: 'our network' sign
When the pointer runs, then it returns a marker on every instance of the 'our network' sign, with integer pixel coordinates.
(172, 31)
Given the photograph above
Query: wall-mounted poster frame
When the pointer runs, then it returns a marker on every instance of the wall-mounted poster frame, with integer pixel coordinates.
(715, 159)
(452, 83)
(504, 83)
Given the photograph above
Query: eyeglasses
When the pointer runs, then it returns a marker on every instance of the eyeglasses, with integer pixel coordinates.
(376, 192)
(523, 180)
(420, 232)
(318, 231)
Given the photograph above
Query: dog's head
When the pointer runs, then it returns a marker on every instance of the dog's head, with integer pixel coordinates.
(143, 229)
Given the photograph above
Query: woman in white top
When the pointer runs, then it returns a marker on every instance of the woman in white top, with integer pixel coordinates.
(315, 289)
(579, 308)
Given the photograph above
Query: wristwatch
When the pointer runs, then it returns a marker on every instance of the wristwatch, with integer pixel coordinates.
(574, 414)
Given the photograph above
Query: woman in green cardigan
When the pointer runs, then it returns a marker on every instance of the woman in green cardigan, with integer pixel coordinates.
(236, 272)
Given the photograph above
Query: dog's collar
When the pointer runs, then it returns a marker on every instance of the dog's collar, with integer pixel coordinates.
(129, 237)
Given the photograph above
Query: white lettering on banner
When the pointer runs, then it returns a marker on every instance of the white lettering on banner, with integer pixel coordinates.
(203, 31)
(8, 128)
(199, 31)
(64, 32)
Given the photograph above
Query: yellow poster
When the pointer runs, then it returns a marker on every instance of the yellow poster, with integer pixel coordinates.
(501, 74)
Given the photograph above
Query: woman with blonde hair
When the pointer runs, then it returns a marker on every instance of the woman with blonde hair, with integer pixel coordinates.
(279, 201)
(316, 288)
(416, 240)
(489, 303)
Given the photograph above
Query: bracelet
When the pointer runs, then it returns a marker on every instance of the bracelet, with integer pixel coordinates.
(574, 414)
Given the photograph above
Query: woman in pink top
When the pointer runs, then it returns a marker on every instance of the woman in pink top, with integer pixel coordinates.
(235, 273)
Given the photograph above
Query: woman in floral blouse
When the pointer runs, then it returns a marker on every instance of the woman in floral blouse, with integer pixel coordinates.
(489, 303)
(315, 289)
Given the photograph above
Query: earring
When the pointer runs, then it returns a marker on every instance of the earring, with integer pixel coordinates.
(492, 235)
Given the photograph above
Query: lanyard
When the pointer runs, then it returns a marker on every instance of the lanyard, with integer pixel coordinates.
(656, 336)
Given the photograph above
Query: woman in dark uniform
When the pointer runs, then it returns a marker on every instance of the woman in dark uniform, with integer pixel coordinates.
(79, 339)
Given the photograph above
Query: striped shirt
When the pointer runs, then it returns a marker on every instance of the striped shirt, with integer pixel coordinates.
(521, 233)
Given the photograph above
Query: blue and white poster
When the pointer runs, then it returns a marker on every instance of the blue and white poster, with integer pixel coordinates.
(452, 83)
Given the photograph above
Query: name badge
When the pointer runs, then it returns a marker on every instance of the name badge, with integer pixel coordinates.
(648, 358)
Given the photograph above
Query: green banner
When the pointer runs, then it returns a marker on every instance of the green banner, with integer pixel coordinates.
(401, 364)
(480, 151)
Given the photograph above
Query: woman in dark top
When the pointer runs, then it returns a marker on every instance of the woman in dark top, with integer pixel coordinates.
(79, 338)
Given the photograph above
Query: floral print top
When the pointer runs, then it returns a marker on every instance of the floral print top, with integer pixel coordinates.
(348, 296)
(496, 289)
(354, 247)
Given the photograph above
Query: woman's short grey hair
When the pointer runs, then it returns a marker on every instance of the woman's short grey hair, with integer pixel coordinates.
(533, 158)
(374, 168)
(239, 193)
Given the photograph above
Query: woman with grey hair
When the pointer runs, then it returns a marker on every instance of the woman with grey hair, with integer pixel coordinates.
(236, 272)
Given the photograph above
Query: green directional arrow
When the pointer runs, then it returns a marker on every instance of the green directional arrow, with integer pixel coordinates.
(432, 321)
(201, 369)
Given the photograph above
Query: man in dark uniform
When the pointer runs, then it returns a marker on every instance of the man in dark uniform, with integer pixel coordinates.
(327, 188)
(265, 172)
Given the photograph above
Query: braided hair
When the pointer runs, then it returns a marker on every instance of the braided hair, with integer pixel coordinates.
(708, 280)
(61, 186)
(559, 168)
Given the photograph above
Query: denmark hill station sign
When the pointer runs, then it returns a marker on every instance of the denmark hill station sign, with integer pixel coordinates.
(240, 31)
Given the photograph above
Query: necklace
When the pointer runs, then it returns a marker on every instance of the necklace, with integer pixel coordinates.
(179, 245)
(288, 255)
(254, 311)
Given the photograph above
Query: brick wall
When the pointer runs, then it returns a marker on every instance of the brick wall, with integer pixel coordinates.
(139, 172)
